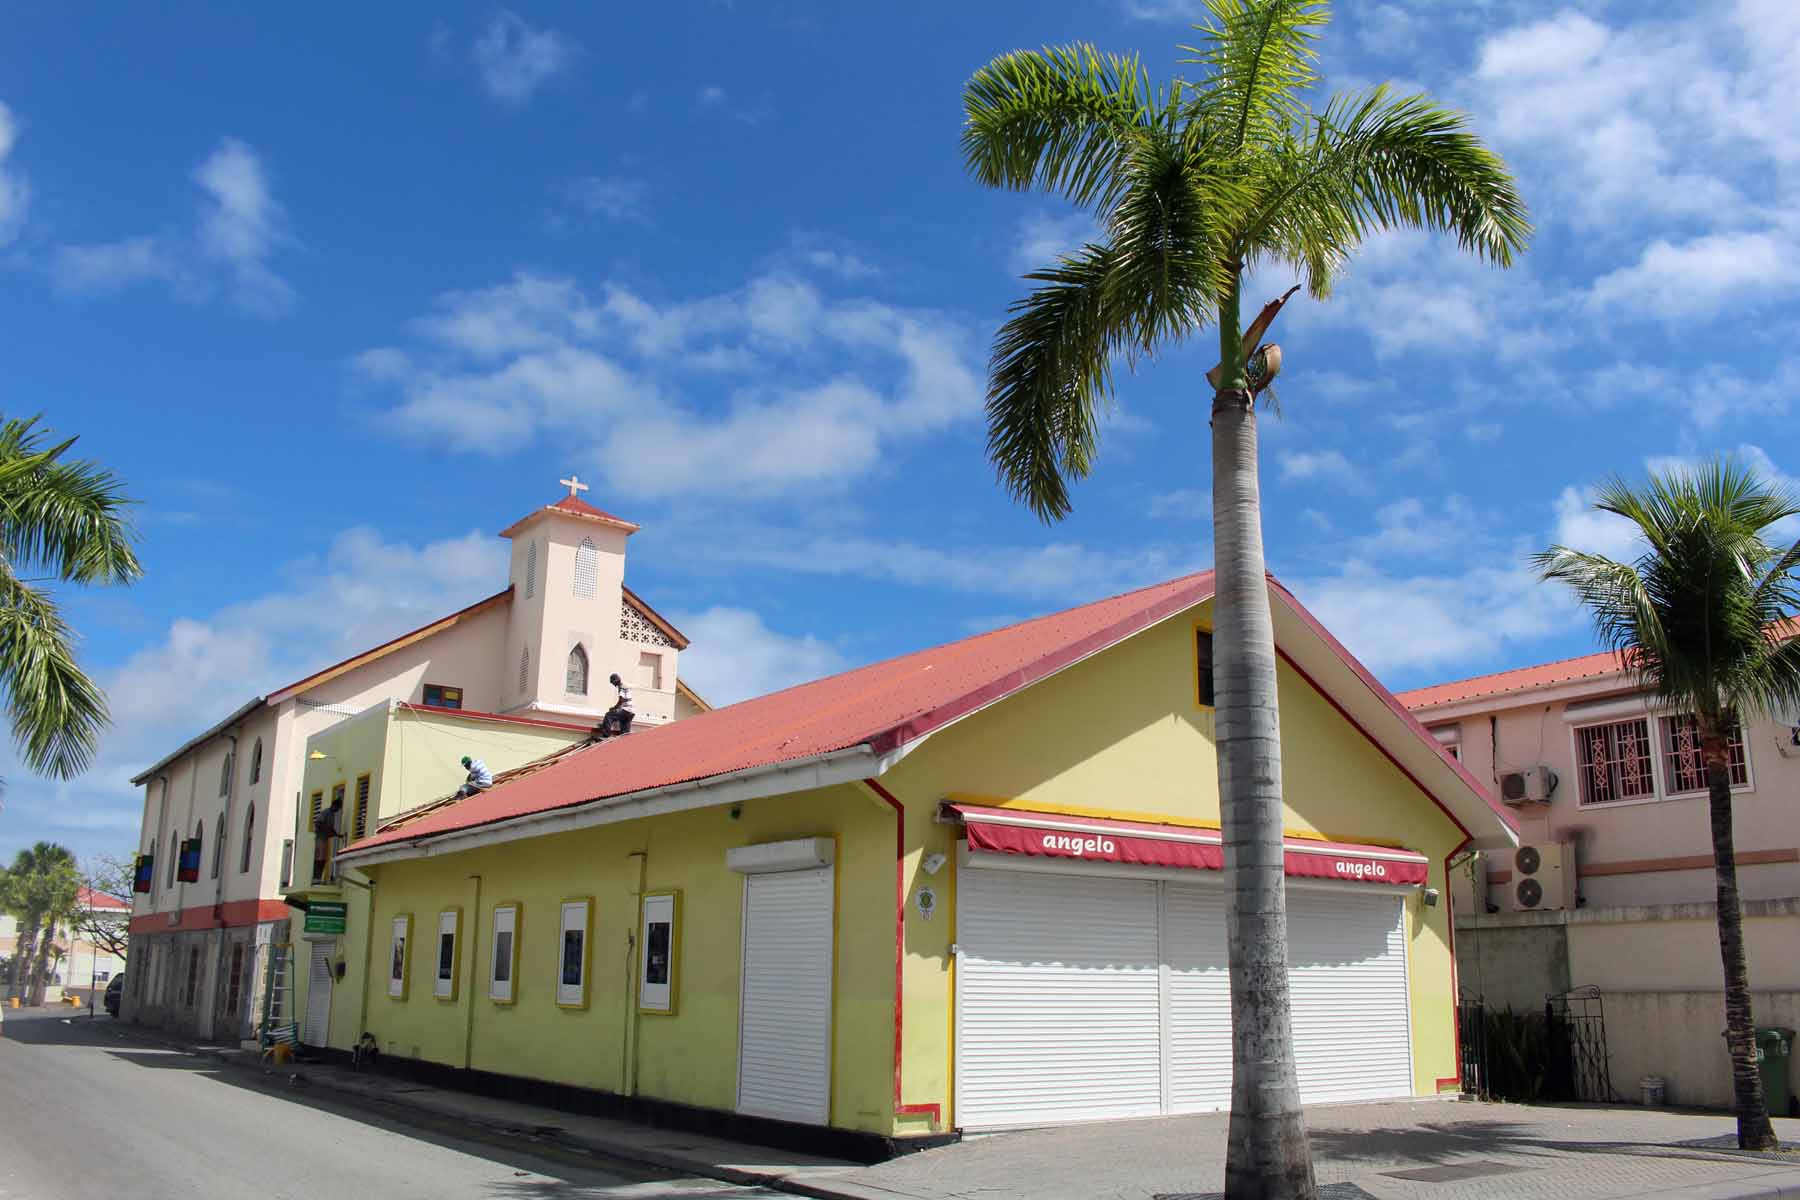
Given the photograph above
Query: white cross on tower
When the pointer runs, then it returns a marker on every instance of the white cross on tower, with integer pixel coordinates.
(575, 486)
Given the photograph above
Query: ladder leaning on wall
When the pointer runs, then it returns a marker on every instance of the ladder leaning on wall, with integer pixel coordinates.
(277, 1023)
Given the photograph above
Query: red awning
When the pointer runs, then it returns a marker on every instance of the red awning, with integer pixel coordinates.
(1143, 843)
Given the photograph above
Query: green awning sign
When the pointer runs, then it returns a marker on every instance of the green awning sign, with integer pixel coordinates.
(325, 916)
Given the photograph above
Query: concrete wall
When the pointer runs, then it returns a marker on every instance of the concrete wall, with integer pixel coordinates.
(1677, 1035)
(1624, 849)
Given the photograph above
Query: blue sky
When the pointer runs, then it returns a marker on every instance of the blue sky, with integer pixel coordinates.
(340, 299)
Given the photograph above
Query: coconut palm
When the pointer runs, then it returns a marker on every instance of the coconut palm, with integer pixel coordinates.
(40, 889)
(61, 520)
(1702, 618)
(1191, 185)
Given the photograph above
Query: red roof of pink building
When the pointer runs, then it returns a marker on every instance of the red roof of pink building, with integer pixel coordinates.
(1566, 670)
(100, 901)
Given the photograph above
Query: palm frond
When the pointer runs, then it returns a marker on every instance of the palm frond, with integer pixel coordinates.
(1259, 56)
(1051, 371)
(1373, 162)
(1061, 119)
(57, 713)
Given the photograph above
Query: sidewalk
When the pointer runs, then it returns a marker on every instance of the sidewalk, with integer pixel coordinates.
(1444, 1150)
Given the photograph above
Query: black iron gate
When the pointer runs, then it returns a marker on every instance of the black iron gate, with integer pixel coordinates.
(1559, 1054)
(1577, 1026)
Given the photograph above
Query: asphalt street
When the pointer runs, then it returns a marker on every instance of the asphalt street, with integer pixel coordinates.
(87, 1110)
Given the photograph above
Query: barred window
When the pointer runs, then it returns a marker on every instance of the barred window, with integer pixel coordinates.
(1615, 762)
(1684, 769)
(576, 679)
(359, 826)
(587, 568)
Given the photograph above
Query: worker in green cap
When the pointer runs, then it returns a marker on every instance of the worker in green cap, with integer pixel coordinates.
(480, 778)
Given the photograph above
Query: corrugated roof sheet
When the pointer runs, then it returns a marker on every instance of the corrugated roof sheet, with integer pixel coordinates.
(1565, 670)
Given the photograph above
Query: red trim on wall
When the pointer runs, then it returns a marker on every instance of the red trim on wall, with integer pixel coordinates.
(934, 1111)
(212, 916)
(1370, 738)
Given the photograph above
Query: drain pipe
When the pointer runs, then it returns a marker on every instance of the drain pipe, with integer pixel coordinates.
(632, 1016)
(474, 940)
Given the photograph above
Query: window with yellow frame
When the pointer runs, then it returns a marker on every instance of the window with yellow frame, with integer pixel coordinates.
(574, 951)
(447, 961)
(1203, 667)
(399, 954)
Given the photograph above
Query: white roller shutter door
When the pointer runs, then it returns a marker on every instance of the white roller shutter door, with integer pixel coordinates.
(1199, 1010)
(1082, 997)
(784, 1034)
(1347, 978)
(318, 994)
(1057, 999)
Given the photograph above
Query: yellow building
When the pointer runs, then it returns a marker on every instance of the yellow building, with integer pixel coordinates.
(968, 888)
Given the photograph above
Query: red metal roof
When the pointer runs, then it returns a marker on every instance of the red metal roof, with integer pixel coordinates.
(1566, 670)
(581, 508)
(100, 901)
(883, 706)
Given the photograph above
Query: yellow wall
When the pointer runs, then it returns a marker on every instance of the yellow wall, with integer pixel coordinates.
(1119, 733)
(410, 758)
(691, 1056)
(1122, 733)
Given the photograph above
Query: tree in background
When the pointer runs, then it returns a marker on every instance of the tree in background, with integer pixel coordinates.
(1192, 185)
(61, 520)
(106, 875)
(41, 889)
(1703, 619)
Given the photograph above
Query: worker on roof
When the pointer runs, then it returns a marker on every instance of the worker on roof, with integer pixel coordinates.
(480, 778)
(619, 717)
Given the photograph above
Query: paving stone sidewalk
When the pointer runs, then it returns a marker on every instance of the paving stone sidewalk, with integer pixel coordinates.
(1441, 1150)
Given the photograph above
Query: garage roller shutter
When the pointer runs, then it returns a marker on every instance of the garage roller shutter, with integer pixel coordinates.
(1057, 999)
(1347, 978)
(784, 1047)
(1199, 999)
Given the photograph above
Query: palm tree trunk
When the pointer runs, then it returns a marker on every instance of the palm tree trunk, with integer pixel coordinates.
(1266, 1153)
(1754, 1130)
(18, 981)
(40, 977)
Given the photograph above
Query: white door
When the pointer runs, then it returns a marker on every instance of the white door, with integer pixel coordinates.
(1199, 993)
(1347, 980)
(318, 995)
(784, 1021)
(1057, 999)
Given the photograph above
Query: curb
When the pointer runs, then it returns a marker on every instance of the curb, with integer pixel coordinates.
(618, 1151)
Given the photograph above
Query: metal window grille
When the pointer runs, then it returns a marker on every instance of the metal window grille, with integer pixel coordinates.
(587, 568)
(1683, 766)
(360, 825)
(1615, 762)
(531, 570)
(524, 670)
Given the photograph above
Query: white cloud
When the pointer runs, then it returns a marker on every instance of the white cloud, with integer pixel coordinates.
(1322, 466)
(1187, 12)
(615, 197)
(240, 225)
(1757, 460)
(735, 656)
(712, 93)
(841, 263)
(1396, 622)
(1701, 277)
(1580, 526)
(1185, 504)
(238, 228)
(804, 390)
(110, 266)
(1409, 529)
(1044, 237)
(15, 192)
(514, 60)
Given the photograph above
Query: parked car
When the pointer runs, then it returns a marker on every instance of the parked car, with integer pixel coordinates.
(114, 990)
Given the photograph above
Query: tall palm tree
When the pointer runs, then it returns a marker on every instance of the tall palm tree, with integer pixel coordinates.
(55, 893)
(1191, 185)
(1703, 620)
(61, 520)
(14, 901)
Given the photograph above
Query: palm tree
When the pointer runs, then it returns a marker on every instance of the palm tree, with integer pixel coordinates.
(61, 519)
(1702, 619)
(1191, 185)
(40, 889)
(14, 900)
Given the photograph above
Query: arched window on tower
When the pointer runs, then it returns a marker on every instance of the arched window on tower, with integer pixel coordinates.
(256, 761)
(524, 670)
(249, 833)
(577, 678)
(531, 569)
(587, 568)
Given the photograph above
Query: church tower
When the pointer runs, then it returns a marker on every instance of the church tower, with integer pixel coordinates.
(573, 622)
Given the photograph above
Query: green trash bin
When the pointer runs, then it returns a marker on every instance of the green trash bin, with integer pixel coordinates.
(1774, 1051)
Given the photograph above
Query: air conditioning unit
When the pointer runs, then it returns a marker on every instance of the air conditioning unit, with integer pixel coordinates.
(1543, 877)
(1533, 785)
(1469, 887)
